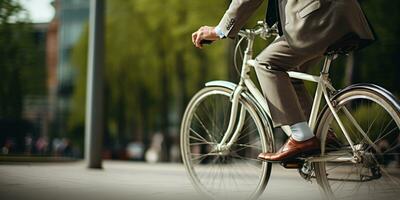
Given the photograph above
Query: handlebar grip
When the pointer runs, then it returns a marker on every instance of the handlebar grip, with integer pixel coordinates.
(206, 42)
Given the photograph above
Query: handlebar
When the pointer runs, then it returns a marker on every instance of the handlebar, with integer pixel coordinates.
(206, 42)
(262, 29)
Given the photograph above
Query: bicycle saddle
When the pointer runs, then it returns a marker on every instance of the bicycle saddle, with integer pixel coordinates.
(344, 45)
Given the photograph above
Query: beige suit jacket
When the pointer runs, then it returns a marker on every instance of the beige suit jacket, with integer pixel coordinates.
(307, 25)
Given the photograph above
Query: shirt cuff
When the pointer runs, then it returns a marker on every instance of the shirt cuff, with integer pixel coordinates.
(219, 32)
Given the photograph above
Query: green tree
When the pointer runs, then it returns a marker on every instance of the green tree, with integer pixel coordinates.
(22, 69)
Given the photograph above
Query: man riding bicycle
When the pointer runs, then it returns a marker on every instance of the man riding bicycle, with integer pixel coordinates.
(306, 28)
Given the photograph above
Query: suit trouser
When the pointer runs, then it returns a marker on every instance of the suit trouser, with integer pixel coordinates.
(288, 99)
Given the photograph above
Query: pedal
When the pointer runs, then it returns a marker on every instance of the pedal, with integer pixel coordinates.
(292, 164)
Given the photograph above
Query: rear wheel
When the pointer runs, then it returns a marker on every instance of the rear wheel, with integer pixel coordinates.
(235, 172)
(374, 169)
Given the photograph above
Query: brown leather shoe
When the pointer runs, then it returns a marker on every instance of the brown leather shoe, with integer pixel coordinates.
(291, 149)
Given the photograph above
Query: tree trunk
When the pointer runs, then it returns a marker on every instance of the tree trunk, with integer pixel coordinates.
(182, 94)
(121, 121)
(164, 125)
(144, 110)
(230, 51)
(203, 69)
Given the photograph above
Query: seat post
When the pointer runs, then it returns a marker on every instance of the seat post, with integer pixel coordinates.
(327, 63)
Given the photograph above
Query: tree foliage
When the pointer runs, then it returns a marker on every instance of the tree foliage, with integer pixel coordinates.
(151, 66)
(380, 62)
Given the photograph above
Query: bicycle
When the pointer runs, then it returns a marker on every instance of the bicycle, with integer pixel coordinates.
(226, 125)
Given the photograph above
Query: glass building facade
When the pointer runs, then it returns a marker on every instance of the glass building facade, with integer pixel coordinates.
(73, 17)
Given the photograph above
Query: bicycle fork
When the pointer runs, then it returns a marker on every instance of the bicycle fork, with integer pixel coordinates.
(225, 145)
(231, 134)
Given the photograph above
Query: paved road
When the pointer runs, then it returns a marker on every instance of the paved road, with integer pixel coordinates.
(126, 180)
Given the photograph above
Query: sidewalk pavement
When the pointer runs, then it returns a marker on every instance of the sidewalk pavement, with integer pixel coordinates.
(127, 180)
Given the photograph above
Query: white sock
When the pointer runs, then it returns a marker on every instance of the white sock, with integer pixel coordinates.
(301, 131)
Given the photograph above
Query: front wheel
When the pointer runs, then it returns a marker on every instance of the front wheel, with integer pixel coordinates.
(371, 169)
(233, 173)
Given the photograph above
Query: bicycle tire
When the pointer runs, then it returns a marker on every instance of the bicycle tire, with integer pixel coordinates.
(226, 175)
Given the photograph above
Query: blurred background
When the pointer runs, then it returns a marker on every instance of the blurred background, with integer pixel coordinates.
(151, 72)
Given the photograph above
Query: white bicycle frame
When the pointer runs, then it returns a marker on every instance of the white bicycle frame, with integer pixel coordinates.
(323, 82)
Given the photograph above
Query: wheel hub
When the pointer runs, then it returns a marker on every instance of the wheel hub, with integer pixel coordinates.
(369, 162)
(221, 150)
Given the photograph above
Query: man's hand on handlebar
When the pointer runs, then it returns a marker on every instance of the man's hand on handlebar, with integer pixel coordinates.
(205, 35)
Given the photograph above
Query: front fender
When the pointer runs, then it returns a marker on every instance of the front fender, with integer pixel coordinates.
(245, 94)
(225, 84)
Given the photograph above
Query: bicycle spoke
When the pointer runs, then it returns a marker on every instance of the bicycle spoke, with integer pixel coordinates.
(200, 138)
(205, 129)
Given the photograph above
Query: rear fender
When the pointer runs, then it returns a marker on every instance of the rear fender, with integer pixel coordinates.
(362, 86)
